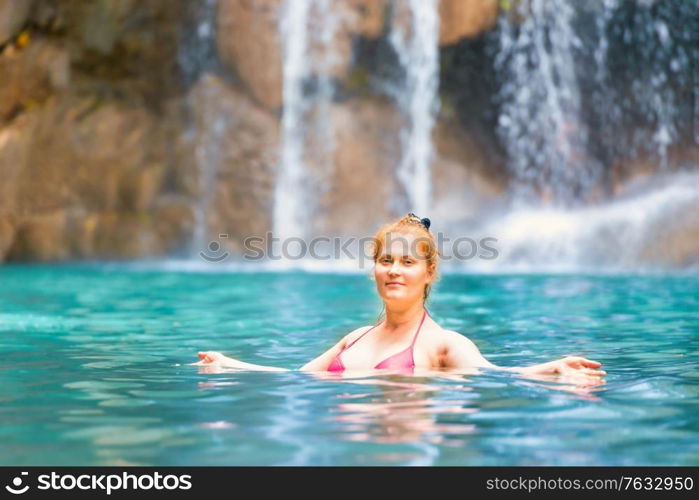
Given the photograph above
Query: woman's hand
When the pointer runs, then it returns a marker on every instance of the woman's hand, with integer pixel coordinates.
(213, 362)
(576, 374)
(570, 366)
(211, 358)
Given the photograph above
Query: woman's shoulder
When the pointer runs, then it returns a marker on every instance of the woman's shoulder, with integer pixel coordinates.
(454, 349)
(458, 338)
(356, 333)
(448, 338)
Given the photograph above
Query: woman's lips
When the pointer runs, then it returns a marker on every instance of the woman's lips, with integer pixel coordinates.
(393, 283)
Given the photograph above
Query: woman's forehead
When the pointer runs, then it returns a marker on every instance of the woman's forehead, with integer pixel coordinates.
(401, 244)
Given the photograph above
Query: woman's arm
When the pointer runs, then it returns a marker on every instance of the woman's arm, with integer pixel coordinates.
(460, 352)
(321, 363)
(569, 365)
(216, 359)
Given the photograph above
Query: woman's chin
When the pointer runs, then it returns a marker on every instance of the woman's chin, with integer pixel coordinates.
(392, 297)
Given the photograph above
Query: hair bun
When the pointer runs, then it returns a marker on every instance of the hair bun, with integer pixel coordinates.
(426, 222)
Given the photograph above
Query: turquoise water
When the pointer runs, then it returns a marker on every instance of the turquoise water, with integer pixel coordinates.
(94, 371)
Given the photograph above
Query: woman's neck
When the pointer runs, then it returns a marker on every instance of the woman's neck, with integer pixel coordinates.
(399, 317)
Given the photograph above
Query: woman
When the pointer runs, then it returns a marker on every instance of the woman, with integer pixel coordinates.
(405, 267)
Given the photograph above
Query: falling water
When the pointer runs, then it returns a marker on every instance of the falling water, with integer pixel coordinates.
(665, 62)
(207, 156)
(582, 86)
(197, 51)
(415, 38)
(307, 28)
(540, 122)
(586, 87)
(642, 64)
(197, 56)
(288, 202)
(621, 234)
(565, 117)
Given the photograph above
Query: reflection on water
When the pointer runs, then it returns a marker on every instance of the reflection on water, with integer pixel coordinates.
(95, 372)
(400, 412)
(404, 409)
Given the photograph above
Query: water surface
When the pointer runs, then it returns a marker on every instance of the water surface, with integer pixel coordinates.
(95, 371)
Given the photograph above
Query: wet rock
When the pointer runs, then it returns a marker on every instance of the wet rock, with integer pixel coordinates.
(248, 41)
(362, 186)
(674, 243)
(465, 182)
(120, 48)
(99, 25)
(465, 18)
(82, 157)
(80, 233)
(14, 142)
(139, 187)
(368, 17)
(125, 235)
(30, 75)
(41, 237)
(173, 223)
(227, 160)
(81, 149)
(13, 15)
(7, 236)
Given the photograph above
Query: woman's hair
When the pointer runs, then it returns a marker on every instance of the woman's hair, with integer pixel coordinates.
(426, 243)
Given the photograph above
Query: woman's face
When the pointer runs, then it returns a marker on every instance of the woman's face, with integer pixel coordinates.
(400, 272)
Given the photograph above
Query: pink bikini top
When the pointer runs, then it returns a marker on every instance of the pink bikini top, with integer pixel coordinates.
(400, 361)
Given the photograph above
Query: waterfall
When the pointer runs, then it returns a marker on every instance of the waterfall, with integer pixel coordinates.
(586, 88)
(197, 50)
(571, 90)
(207, 157)
(541, 121)
(197, 55)
(289, 211)
(665, 63)
(415, 38)
(307, 28)
(582, 91)
(621, 234)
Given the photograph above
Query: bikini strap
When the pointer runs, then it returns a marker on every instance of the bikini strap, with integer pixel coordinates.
(355, 340)
(424, 315)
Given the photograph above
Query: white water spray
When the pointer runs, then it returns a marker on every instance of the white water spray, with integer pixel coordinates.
(307, 28)
(416, 42)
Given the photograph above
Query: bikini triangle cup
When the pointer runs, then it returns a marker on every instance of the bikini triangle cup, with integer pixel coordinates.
(402, 360)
